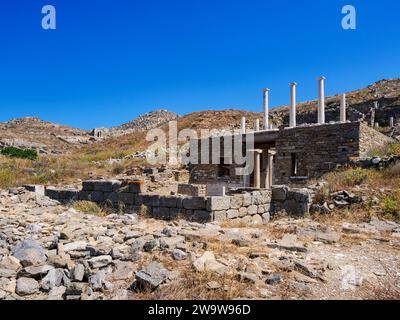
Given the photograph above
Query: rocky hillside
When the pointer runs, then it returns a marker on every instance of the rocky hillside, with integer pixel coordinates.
(146, 121)
(46, 137)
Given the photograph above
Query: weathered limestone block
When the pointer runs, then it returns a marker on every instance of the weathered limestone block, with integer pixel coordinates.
(219, 215)
(38, 189)
(242, 211)
(236, 201)
(279, 193)
(232, 214)
(299, 195)
(252, 210)
(170, 202)
(194, 203)
(247, 199)
(218, 203)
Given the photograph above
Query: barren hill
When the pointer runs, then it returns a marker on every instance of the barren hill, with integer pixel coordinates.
(47, 137)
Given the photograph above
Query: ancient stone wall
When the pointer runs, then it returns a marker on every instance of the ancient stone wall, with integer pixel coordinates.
(314, 150)
(254, 204)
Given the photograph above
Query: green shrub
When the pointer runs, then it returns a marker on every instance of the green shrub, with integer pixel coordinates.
(390, 206)
(354, 177)
(89, 207)
(19, 153)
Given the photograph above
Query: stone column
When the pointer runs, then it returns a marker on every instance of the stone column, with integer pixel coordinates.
(343, 108)
(270, 169)
(266, 108)
(257, 168)
(257, 125)
(372, 117)
(243, 125)
(292, 119)
(391, 122)
(321, 100)
(376, 125)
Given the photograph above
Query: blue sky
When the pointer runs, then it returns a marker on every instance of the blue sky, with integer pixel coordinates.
(110, 61)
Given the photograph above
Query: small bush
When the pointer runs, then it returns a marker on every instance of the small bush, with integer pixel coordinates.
(143, 210)
(354, 177)
(19, 153)
(90, 207)
(7, 179)
(390, 205)
(322, 195)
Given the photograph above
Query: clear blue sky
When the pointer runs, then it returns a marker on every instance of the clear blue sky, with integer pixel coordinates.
(109, 61)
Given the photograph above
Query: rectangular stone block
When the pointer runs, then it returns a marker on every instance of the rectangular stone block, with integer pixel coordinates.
(161, 212)
(107, 185)
(137, 187)
(236, 201)
(218, 203)
(52, 194)
(202, 216)
(219, 215)
(194, 203)
(151, 200)
(216, 190)
(88, 185)
(232, 214)
(126, 198)
(279, 193)
(170, 202)
(112, 197)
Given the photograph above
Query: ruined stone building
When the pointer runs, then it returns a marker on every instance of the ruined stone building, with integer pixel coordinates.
(289, 155)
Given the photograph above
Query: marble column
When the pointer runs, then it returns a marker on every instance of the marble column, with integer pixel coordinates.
(257, 125)
(292, 115)
(243, 125)
(321, 100)
(343, 108)
(266, 108)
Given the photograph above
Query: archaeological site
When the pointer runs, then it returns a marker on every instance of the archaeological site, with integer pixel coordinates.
(160, 153)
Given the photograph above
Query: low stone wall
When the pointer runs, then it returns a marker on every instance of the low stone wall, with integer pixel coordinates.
(291, 200)
(252, 205)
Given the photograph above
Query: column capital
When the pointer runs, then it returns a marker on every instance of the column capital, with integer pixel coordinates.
(293, 84)
(321, 78)
(266, 90)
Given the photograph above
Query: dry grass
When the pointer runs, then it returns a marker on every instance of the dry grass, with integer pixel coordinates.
(90, 207)
(192, 285)
(388, 289)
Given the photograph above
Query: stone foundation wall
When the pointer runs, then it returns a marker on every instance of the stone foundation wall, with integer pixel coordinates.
(291, 200)
(250, 205)
(316, 149)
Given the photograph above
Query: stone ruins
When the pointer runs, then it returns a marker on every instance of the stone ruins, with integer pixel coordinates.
(286, 160)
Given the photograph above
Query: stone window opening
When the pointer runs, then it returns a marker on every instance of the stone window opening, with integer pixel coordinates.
(294, 165)
(223, 168)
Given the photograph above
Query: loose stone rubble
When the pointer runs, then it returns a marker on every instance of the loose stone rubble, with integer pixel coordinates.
(50, 251)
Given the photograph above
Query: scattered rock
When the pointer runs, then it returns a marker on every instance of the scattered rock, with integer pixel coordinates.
(26, 286)
(151, 276)
(29, 252)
